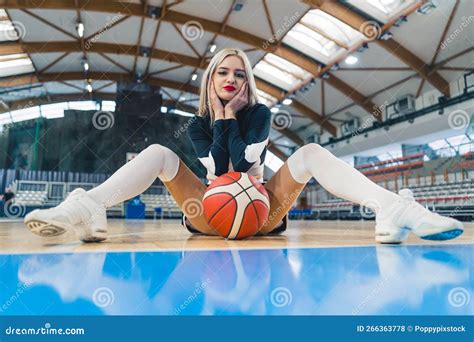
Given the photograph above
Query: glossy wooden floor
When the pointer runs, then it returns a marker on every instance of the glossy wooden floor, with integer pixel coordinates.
(149, 235)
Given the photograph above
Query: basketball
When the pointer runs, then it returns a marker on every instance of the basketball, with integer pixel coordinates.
(236, 205)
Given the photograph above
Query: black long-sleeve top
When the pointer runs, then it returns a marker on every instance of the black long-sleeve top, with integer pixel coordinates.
(233, 145)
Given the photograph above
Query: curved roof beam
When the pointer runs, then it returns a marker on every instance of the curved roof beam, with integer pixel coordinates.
(128, 9)
(45, 47)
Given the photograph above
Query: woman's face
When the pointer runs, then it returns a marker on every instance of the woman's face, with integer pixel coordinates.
(229, 77)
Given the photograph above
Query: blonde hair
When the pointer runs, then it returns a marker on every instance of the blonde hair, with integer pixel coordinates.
(204, 96)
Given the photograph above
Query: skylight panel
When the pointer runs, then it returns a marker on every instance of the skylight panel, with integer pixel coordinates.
(15, 64)
(382, 10)
(25, 114)
(265, 98)
(280, 72)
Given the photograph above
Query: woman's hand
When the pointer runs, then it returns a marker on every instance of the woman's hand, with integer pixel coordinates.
(237, 103)
(216, 104)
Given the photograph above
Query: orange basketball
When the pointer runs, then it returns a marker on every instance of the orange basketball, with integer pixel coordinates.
(236, 205)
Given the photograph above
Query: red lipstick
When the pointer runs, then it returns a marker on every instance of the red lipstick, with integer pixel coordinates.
(229, 88)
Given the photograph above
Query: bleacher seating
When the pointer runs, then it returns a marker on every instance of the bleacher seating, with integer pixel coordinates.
(166, 202)
(31, 198)
(32, 195)
(395, 161)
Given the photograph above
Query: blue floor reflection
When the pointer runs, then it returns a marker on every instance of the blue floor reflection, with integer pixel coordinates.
(382, 280)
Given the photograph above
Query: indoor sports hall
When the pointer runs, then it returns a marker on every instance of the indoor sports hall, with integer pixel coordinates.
(348, 131)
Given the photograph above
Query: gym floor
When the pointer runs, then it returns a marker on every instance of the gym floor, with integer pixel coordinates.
(157, 267)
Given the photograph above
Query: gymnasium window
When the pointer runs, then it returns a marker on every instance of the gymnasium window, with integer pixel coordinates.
(84, 105)
(7, 30)
(272, 161)
(53, 111)
(322, 36)
(15, 64)
(25, 114)
(280, 72)
(265, 98)
(382, 10)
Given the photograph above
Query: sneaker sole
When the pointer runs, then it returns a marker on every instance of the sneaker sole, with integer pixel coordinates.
(448, 235)
(393, 238)
(97, 238)
(45, 229)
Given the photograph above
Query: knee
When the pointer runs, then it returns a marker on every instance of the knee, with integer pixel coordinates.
(155, 148)
(299, 163)
(168, 161)
(312, 149)
(158, 150)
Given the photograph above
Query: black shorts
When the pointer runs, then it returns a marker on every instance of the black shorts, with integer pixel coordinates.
(276, 231)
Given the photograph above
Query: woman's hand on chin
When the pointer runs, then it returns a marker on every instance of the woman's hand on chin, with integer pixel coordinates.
(237, 103)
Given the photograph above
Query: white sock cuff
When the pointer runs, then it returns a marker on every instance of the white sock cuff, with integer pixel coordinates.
(297, 165)
(170, 166)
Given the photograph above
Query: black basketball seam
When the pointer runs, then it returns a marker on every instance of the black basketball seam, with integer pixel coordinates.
(240, 227)
(256, 211)
(237, 180)
(223, 192)
(251, 201)
(233, 219)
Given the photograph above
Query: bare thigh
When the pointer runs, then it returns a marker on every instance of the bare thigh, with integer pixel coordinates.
(188, 191)
(283, 191)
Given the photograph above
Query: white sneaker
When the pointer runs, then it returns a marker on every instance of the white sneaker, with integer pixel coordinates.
(79, 213)
(392, 224)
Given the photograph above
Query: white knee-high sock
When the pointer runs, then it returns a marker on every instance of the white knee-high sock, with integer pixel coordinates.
(137, 175)
(338, 177)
